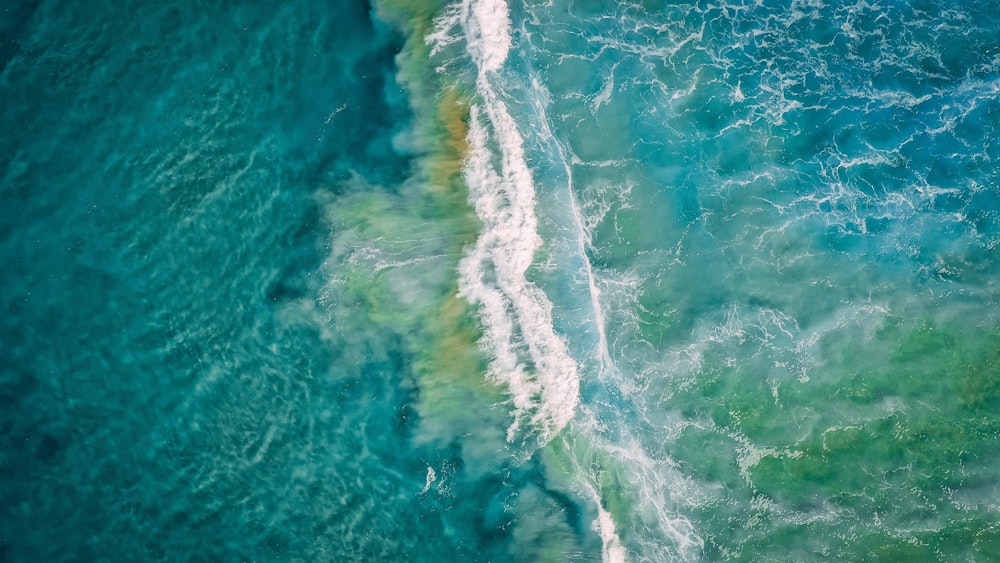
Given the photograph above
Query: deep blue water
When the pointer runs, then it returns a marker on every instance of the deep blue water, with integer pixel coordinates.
(561, 281)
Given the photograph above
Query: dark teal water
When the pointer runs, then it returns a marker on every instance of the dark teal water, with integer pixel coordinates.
(170, 388)
(470, 281)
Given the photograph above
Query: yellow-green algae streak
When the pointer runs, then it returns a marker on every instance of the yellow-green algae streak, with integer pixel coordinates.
(395, 254)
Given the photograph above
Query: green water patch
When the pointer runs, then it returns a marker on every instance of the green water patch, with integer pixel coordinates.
(396, 269)
(570, 456)
(897, 428)
(642, 495)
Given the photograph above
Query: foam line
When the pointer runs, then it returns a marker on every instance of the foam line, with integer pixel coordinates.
(516, 313)
(584, 238)
(612, 550)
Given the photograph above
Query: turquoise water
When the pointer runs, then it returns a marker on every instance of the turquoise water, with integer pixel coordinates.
(560, 281)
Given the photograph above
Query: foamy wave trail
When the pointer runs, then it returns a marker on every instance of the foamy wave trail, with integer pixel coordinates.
(529, 358)
(612, 550)
(583, 226)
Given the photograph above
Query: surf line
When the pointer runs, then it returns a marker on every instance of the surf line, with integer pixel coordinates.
(584, 236)
(516, 313)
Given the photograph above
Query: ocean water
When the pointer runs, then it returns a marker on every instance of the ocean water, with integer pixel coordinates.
(479, 280)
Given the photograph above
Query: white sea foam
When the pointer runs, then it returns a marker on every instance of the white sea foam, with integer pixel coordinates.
(528, 356)
(612, 550)
(486, 24)
(514, 310)
(431, 477)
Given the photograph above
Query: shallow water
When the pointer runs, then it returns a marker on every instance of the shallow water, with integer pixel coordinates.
(477, 281)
